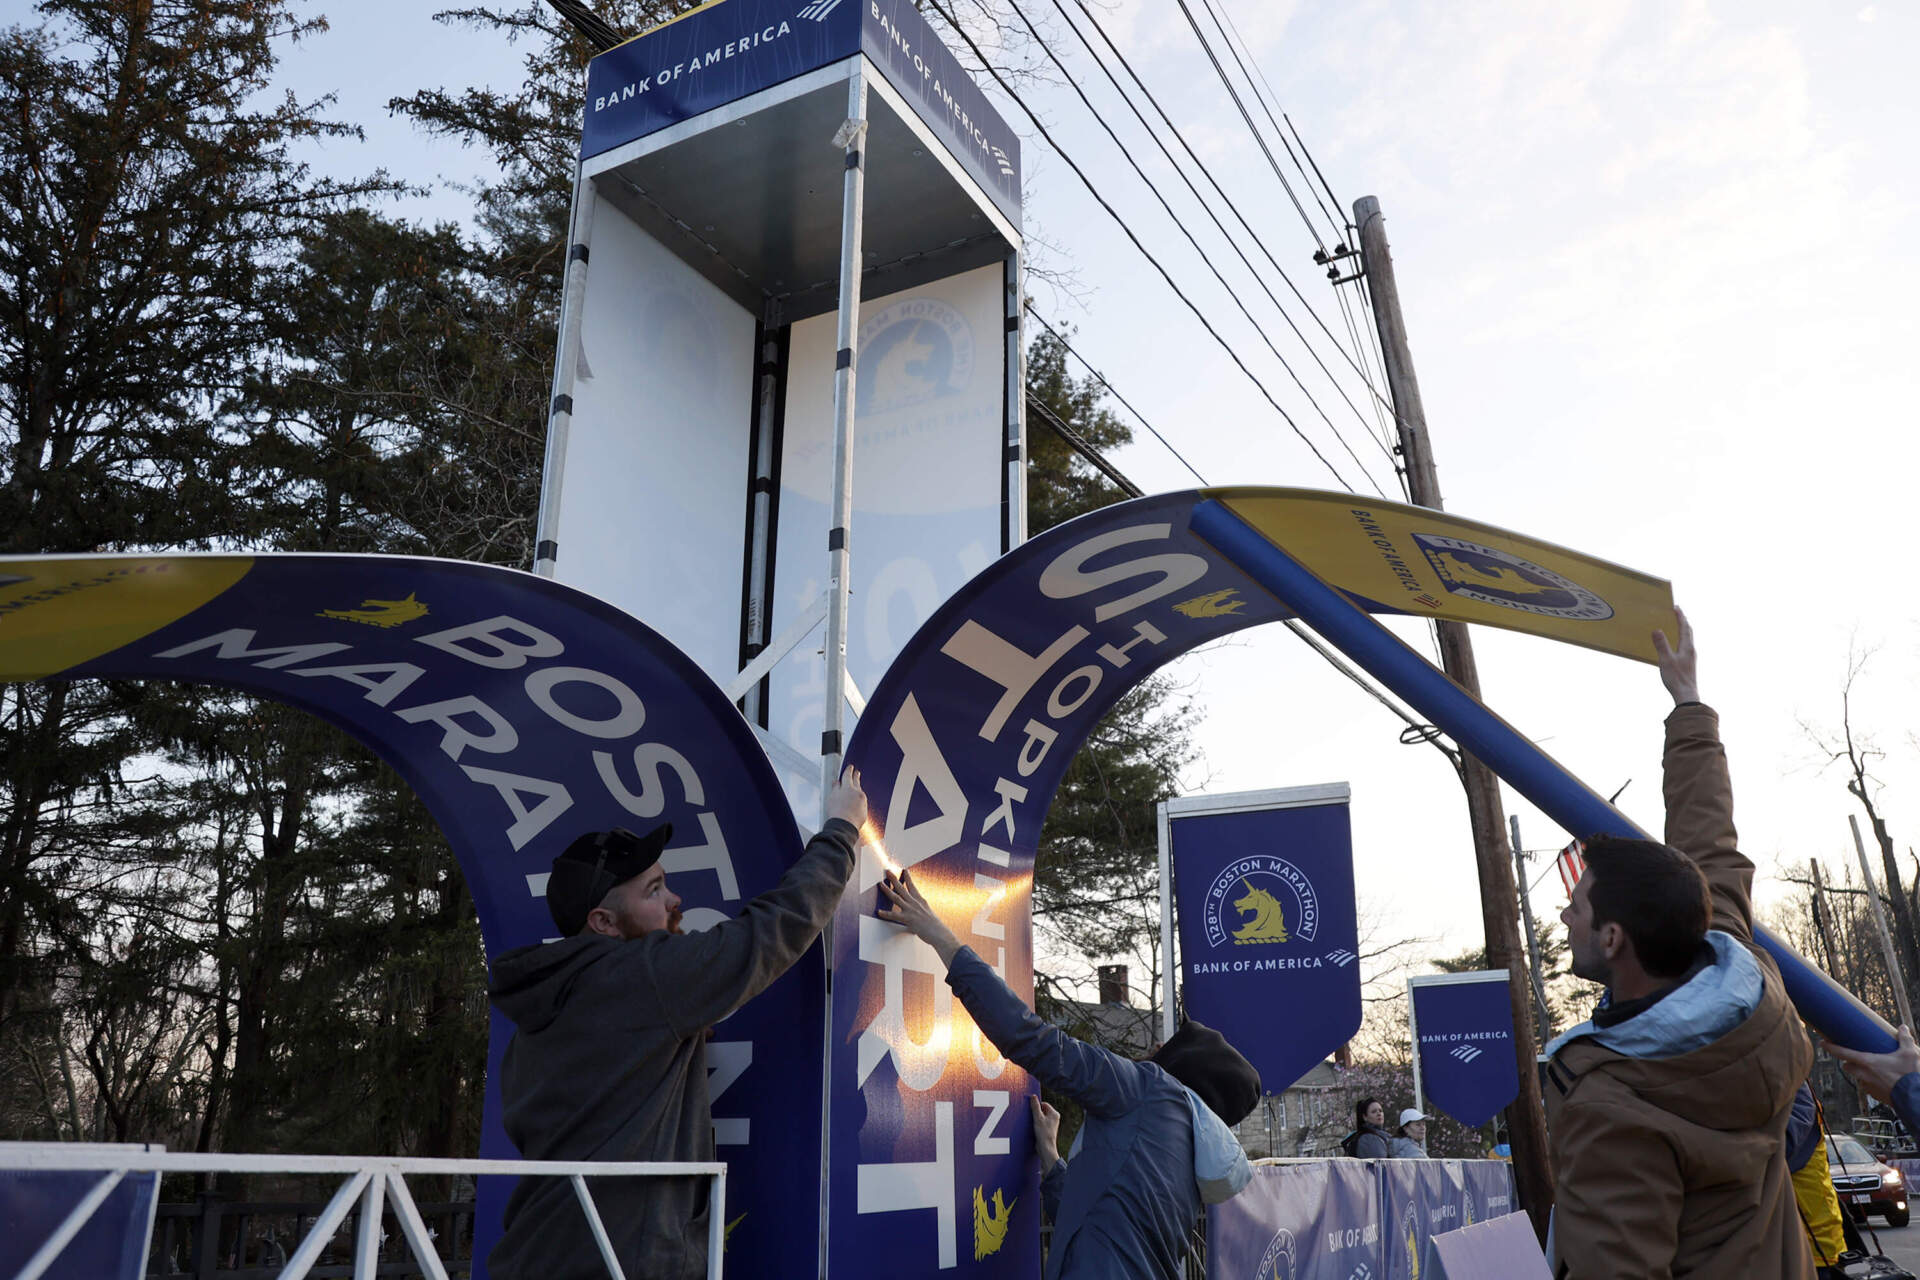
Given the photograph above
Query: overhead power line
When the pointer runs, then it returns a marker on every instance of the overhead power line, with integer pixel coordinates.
(1101, 378)
(1416, 732)
(1080, 445)
(1180, 293)
(1182, 226)
(1240, 217)
(1206, 47)
(589, 24)
(1222, 22)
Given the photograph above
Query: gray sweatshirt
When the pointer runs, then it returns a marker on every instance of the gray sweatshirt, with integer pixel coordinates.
(608, 1062)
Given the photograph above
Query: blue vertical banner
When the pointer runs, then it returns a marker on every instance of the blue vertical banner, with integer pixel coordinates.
(1269, 938)
(1463, 1042)
(1318, 1221)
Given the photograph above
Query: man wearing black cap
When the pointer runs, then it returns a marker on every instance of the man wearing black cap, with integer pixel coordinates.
(607, 1060)
(1156, 1145)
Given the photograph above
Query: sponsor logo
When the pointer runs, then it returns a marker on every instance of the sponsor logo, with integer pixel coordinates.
(818, 10)
(1410, 1237)
(1252, 901)
(1342, 957)
(1466, 1207)
(380, 613)
(990, 1222)
(1280, 1258)
(1466, 1053)
(702, 60)
(913, 352)
(1215, 604)
(1499, 578)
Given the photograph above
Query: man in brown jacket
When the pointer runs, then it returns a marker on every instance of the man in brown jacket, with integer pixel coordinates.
(1668, 1110)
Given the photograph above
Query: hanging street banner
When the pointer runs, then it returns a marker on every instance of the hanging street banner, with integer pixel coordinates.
(522, 713)
(1317, 1221)
(722, 52)
(1269, 935)
(1463, 1043)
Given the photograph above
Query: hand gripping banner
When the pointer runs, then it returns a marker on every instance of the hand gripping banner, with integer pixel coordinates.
(1463, 1042)
(522, 712)
(1269, 936)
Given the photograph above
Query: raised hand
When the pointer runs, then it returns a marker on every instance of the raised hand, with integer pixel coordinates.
(1679, 663)
(847, 801)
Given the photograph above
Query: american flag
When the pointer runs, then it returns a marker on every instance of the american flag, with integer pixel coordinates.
(1572, 863)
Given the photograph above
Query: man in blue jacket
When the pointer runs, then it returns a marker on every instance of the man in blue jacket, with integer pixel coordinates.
(1156, 1145)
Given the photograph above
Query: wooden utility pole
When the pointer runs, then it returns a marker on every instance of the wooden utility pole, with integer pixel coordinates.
(1526, 1119)
(1526, 918)
(1894, 976)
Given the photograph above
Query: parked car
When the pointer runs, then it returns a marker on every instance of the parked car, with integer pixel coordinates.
(1864, 1184)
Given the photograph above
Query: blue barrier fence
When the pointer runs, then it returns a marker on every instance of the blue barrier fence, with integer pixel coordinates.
(1327, 1219)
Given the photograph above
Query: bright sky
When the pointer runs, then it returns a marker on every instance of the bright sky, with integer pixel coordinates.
(1655, 266)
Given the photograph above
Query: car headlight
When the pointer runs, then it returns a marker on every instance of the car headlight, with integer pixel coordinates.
(1892, 1179)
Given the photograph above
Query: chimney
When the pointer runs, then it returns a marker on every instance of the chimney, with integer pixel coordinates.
(1113, 984)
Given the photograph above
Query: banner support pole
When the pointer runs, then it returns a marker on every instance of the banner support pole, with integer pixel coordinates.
(1166, 922)
(573, 301)
(851, 139)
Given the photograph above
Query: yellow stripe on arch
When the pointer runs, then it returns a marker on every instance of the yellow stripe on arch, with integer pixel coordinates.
(1430, 563)
(57, 613)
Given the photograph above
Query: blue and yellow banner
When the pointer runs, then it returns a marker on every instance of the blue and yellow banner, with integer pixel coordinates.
(1463, 1042)
(523, 713)
(1269, 933)
(1299, 1222)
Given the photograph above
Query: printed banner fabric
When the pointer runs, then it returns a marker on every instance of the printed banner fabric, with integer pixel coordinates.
(1464, 1026)
(1317, 1221)
(523, 713)
(720, 53)
(111, 1246)
(1269, 942)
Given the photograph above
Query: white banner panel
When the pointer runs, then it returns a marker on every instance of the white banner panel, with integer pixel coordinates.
(653, 501)
(928, 466)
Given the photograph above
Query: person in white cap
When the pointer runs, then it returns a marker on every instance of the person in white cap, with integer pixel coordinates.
(1410, 1137)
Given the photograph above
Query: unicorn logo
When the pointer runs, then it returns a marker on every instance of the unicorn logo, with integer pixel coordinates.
(1280, 1258)
(1215, 604)
(1260, 899)
(1269, 923)
(1490, 576)
(380, 613)
(989, 1222)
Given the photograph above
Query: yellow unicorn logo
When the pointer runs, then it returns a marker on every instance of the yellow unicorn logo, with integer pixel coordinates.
(989, 1222)
(1413, 1253)
(380, 613)
(1458, 568)
(1214, 604)
(726, 1236)
(1269, 923)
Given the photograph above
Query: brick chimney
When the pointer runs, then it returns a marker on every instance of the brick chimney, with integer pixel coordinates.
(1113, 984)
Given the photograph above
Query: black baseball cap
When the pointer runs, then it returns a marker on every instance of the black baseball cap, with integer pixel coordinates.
(593, 866)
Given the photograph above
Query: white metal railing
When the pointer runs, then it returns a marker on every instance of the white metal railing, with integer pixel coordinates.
(371, 1180)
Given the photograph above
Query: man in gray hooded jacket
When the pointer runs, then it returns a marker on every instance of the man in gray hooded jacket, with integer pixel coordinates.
(608, 1060)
